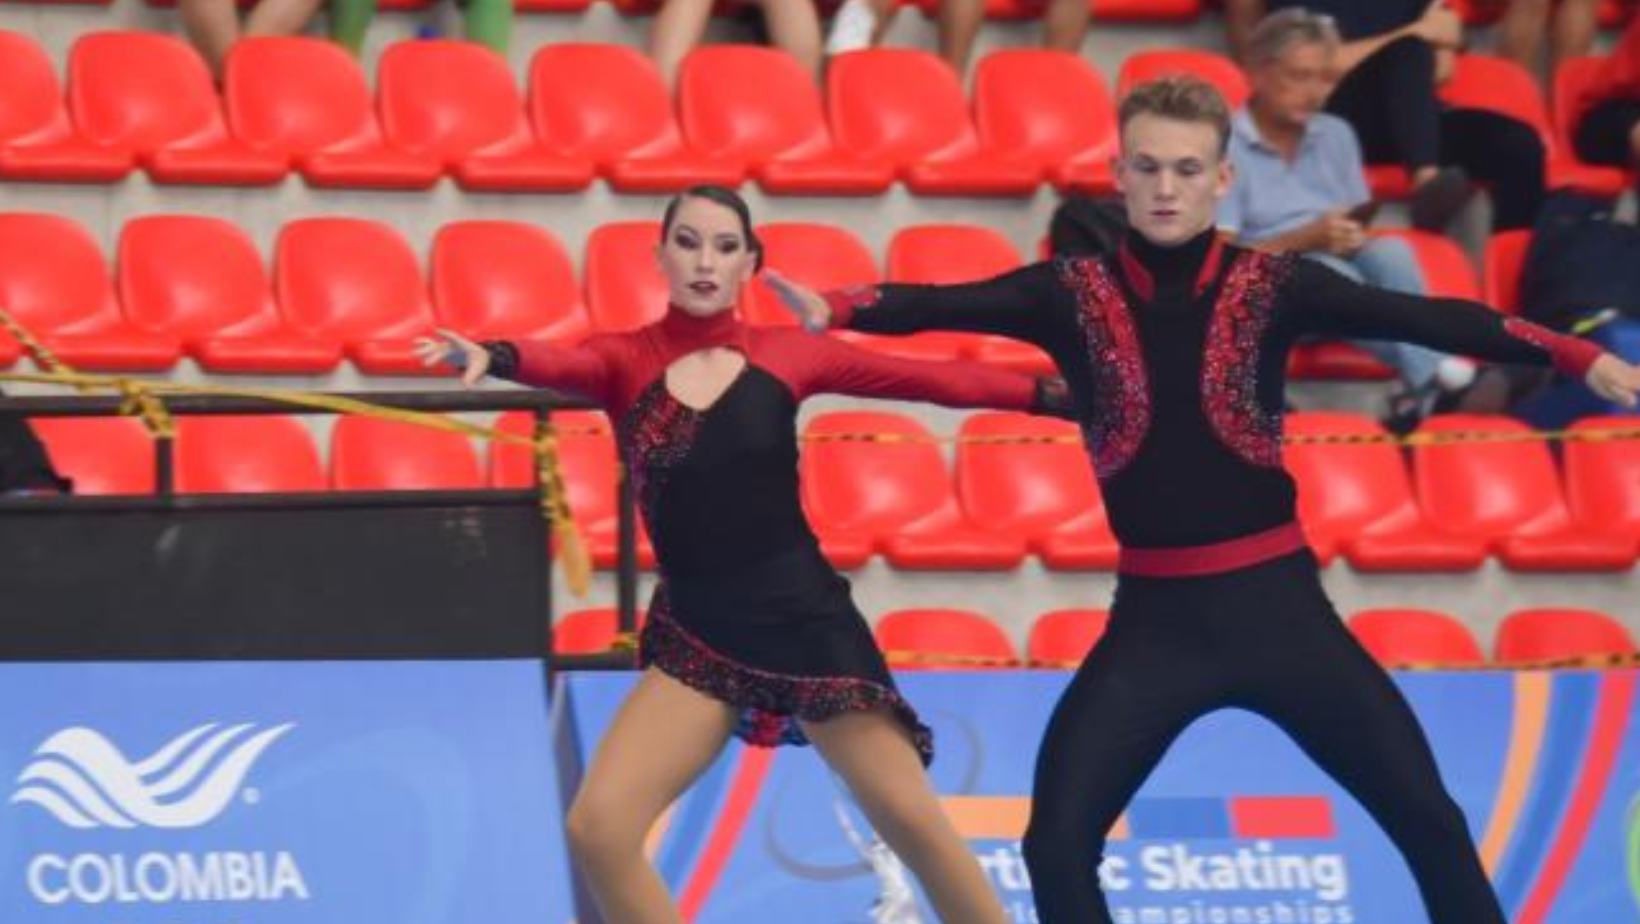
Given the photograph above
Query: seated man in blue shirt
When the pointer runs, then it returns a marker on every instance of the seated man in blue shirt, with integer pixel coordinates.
(1299, 186)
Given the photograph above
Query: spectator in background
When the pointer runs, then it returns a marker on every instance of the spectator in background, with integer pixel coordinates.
(1395, 54)
(1570, 24)
(860, 24)
(215, 25)
(487, 22)
(1608, 116)
(793, 26)
(1299, 187)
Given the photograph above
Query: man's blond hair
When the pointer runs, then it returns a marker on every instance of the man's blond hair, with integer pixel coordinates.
(1182, 98)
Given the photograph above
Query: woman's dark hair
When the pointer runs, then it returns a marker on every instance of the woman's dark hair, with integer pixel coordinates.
(729, 199)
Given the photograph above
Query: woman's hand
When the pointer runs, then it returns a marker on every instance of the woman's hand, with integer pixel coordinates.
(811, 310)
(457, 351)
(1615, 380)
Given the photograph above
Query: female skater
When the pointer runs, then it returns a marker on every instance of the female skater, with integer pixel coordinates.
(1175, 353)
(750, 631)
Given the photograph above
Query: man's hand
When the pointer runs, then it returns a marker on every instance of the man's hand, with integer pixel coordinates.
(1439, 26)
(452, 349)
(1338, 234)
(1615, 380)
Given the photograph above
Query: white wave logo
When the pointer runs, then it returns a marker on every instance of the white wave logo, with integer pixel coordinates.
(85, 782)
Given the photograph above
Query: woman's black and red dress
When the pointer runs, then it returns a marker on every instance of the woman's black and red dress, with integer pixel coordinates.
(747, 609)
(1176, 362)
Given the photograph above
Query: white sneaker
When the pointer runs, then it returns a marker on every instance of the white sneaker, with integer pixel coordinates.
(851, 28)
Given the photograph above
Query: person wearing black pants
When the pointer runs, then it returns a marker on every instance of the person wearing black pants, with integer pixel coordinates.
(1394, 56)
(1174, 352)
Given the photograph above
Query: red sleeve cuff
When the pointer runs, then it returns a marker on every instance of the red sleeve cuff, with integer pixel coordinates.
(1572, 356)
(846, 301)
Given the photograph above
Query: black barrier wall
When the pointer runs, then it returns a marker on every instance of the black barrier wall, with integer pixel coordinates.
(419, 575)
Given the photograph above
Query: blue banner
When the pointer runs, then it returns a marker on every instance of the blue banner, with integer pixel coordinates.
(1236, 826)
(279, 793)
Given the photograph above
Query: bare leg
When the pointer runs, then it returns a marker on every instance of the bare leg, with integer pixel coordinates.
(794, 27)
(1065, 24)
(213, 27)
(874, 756)
(959, 24)
(664, 736)
(1572, 34)
(678, 28)
(1520, 32)
(281, 17)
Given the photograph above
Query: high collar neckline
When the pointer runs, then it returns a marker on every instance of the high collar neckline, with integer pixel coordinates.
(1154, 268)
(688, 332)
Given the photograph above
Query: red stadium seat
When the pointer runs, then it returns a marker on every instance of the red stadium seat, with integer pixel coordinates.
(1062, 638)
(447, 102)
(1413, 637)
(1050, 109)
(246, 455)
(943, 639)
(1495, 491)
(897, 493)
(1447, 274)
(1502, 86)
(1505, 257)
(101, 455)
(759, 107)
(1602, 479)
(354, 282)
(587, 631)
(54, 281)
(1041, 492)
(507, 280)
(1553, 634)
(37, 141)
(907, 107)
(151, 95)
(1612, 13)
(1216, 69)
(586, 455)
(297, 98)
(946, 254)
(1572, 77)
(1355, 499)
(609, 104)
(821, 256)
(625, 288)
(1147, 10)
(385, 455)
(202, 279)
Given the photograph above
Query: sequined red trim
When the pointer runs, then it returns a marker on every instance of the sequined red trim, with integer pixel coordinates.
(1121, 405)
(849, 299)
(1230, 361)
(1572, 356)
(770, 704)
(1144, 284)
(655, 434)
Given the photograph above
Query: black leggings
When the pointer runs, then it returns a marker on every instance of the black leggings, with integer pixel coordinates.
(1264, 639)
(1602, 135)
(1390, 100)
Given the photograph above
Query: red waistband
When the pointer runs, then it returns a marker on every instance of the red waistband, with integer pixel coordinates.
(1215, 558)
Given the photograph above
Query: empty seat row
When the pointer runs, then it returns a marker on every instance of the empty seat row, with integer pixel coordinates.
(448, 107)
(354, 289)
(444, 107)
(951, 638)
(1002, 501)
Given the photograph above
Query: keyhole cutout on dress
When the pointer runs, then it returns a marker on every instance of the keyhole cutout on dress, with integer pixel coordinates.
(700, 379)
